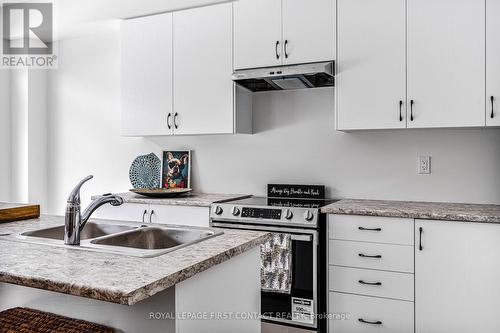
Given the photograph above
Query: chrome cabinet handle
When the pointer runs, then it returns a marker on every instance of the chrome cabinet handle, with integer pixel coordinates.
(151, 215)
(378, 322)
(144, 214)
(400, 110)
(369, 229)
(276, 49)
(370, 283)
(411, 109)
(175, 120)
(286, 48)
(420, 231)
(378, 256)
(492, 99)
(168, 120)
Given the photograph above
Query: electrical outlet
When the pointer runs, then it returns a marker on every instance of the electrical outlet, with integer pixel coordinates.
(424, 164)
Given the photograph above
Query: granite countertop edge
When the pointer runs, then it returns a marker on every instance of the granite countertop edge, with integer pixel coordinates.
(453, 212)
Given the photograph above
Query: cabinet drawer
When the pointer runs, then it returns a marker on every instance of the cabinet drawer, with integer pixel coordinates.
(371, 229)
(371, 283)
(394, 316)
(388, 257)
(182, 215)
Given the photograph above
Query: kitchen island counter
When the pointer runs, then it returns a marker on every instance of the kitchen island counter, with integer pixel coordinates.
(109, 277)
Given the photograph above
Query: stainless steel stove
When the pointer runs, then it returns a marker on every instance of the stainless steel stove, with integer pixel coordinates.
(300, 309)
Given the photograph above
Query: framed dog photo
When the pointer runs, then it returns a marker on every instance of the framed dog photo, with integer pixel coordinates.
(176, 171)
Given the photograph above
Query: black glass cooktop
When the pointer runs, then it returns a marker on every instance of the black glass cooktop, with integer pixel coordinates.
(283, 202)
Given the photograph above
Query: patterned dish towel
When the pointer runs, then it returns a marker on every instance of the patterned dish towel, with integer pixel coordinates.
(276, 264)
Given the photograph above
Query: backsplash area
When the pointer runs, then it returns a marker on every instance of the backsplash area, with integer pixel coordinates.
(294, 142)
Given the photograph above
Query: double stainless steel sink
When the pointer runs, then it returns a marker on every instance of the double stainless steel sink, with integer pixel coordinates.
(134, 240)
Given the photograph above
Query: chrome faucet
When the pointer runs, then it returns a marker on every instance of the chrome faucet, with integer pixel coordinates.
(74, 220)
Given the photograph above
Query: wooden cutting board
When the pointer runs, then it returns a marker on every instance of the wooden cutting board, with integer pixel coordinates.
(15, 212)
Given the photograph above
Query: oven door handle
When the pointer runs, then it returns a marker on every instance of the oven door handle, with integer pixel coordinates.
(304, 238)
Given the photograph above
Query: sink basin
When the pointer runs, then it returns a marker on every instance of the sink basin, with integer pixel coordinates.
(155, 238)
(91, 230)
(135, 240)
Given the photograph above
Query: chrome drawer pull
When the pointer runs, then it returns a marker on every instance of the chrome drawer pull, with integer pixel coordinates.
(370, 283)
(378, 256)
(378, 322)
(369, 229)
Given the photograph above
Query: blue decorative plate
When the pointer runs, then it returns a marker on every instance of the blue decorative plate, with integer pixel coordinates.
(145, 172)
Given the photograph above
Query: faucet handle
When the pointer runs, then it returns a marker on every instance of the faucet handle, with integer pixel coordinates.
(74, 196)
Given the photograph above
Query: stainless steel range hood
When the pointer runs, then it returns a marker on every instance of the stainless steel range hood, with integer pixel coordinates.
(291, 77)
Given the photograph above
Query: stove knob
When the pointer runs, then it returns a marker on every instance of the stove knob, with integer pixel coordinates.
(288, 214)
(308, 216)
(218, 210)
(236, 211)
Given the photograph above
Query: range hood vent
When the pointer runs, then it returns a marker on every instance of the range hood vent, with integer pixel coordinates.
(302, 76)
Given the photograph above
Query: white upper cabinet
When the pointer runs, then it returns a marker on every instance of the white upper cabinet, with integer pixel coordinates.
(146, 75)
(438, 82)
(308, 31)
(492, 63)
(446, 63)
(203, 89)
(257, 33)
(371, 64)
(457, 277)
(275, 32)
(176, 75)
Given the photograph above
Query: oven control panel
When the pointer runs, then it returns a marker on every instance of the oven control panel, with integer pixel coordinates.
(261, 213)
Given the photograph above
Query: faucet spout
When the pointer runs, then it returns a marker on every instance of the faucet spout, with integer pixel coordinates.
(74, 220)
(112, 199)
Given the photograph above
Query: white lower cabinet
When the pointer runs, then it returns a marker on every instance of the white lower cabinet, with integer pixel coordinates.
(127, 212)
(360, 314)
(182, 215)
(166, 214)
(370, 277)
(457, 277)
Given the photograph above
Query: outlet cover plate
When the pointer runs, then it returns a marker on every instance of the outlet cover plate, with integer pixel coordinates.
(424, 164)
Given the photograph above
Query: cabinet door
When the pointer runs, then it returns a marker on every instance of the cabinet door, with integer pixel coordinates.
(492, 62)
(257, 33)
(446, 63)
(181, 215)
(371, 68)
(146, 75)
(308, 31)
(457, 277)
(203, 88)
(127, 212)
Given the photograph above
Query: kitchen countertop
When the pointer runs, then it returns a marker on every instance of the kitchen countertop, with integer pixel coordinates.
(194, 199)
(417, 210)
(109, 277)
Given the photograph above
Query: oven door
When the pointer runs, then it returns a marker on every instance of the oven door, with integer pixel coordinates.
(299, 307)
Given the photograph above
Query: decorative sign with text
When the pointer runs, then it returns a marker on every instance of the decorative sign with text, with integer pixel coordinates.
(296, 191)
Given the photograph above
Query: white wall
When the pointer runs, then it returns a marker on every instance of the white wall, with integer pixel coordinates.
(5, 153)
(294, 142)
(19, 135)
(37, 138)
